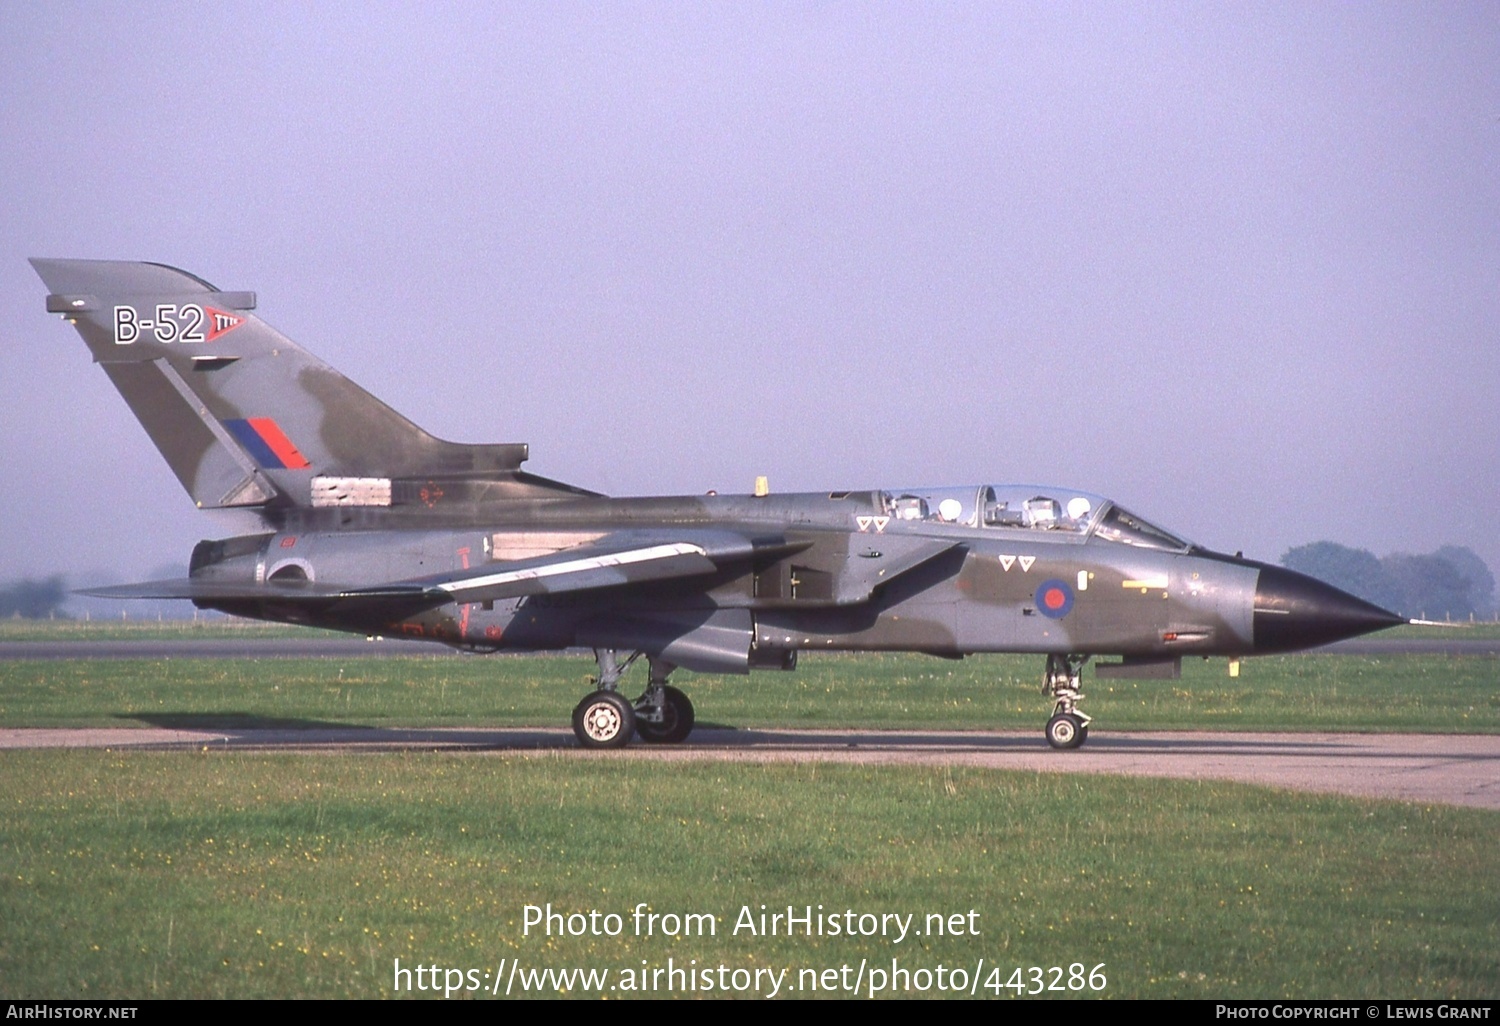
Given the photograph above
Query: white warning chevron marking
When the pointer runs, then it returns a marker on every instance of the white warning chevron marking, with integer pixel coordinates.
(1026, 562)
(1007, 562)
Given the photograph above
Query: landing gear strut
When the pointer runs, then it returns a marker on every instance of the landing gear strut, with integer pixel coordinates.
(1068, 727)
(663, 715)
(606, 719)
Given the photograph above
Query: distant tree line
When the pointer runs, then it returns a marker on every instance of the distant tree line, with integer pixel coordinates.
(1451, 583)
(33, 600)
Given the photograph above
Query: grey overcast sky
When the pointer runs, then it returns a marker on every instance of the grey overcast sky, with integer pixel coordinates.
(1236, 265)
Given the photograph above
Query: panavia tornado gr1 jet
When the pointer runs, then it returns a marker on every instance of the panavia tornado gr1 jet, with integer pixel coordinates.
(372, 525)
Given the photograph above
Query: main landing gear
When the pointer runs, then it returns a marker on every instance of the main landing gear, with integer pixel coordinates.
(1068, 727)
(606, 719)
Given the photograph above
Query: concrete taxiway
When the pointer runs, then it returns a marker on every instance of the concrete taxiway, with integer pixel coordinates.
(1451, 769)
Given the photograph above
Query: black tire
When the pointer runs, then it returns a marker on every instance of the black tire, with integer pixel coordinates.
(604, 719)
(1065, 731)
(677, 720)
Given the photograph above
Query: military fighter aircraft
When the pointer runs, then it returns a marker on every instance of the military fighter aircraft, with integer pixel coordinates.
(374, 526)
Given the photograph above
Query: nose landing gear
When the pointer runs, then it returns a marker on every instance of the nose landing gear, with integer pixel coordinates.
(1068, 727)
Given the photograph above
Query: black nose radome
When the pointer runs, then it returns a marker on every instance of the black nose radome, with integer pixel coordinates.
(1294, 611)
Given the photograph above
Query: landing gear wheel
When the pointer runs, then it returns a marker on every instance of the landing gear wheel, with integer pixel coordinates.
(676, 722)
(604, 719)
(1066, 731)
(1062, 682)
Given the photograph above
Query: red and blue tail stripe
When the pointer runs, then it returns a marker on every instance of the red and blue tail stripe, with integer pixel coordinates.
(267, 443)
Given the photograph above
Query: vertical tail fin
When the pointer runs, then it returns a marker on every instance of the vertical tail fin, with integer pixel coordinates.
(243, 415)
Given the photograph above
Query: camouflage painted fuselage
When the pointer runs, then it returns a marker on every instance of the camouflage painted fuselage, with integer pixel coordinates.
(945, 589)
(373, 525)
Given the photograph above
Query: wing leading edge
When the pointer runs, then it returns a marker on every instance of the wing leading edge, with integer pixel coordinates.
(618, 560)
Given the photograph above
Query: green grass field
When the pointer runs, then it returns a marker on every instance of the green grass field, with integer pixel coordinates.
(251, 875)
(1304, 692)
(205, 874)
(210, 626)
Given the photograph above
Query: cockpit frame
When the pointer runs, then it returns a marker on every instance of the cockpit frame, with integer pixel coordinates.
(1062, 514)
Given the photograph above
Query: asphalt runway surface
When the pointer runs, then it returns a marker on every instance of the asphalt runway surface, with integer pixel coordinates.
(1449, 769)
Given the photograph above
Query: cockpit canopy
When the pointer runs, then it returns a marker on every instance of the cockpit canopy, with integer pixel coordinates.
(1062, 512)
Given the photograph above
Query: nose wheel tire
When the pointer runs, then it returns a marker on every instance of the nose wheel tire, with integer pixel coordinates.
(604, 719)
(676, 719)
(1066, 731)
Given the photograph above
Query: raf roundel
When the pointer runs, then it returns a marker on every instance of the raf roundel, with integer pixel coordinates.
(1054, 599)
